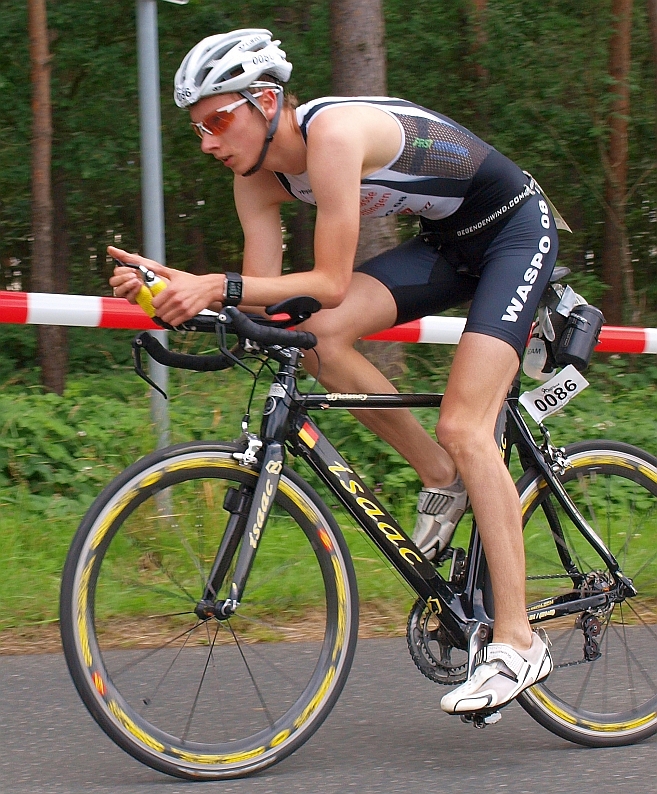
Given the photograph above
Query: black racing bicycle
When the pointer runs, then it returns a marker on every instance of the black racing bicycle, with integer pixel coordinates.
(209, 609)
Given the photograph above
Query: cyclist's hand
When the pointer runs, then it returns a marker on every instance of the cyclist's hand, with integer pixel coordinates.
(126, 281)
(186, 294)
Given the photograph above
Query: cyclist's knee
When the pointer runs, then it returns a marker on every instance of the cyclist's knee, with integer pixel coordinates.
(333, 337)
(460, 438)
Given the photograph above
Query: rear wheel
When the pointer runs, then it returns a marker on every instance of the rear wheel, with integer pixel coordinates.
(203, 698)
(603, 690)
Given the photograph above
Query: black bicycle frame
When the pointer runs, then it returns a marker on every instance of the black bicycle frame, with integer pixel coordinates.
(463, 610)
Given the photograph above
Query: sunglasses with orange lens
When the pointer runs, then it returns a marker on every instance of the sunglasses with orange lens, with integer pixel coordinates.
(219, 120)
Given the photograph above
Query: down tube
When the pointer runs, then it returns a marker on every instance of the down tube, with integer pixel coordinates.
(379, 524)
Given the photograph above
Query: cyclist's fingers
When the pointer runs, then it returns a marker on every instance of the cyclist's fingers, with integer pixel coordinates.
(162, 270)
(133, 259)
(125, 283)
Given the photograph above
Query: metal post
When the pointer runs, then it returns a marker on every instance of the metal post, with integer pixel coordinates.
(151, 182)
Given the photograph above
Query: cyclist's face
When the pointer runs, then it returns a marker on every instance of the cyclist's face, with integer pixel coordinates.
(234, 134)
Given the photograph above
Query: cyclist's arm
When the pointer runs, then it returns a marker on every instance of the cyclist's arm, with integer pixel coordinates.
(334, 164)
(258, 199)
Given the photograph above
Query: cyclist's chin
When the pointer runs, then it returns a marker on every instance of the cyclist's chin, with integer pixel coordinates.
(236, 165)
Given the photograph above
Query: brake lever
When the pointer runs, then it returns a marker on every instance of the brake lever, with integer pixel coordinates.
(136, 358)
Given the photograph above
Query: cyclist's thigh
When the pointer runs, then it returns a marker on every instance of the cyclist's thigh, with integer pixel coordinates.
(516, 268)
(420, 280)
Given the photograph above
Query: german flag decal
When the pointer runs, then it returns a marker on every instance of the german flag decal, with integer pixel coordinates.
(308, 435)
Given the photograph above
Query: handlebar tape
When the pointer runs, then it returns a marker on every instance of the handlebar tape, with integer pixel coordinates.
(181, 360)
(268, 335)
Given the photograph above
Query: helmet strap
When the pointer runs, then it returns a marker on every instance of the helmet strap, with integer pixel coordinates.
(271, 131)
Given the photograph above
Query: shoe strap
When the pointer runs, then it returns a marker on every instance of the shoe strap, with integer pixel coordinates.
(500, 652)
(433, 501)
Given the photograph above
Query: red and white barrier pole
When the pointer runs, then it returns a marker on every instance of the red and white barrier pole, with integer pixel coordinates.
(38, 308)
(95, 312)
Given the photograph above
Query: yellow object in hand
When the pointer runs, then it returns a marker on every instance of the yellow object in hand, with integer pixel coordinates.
(150, 288)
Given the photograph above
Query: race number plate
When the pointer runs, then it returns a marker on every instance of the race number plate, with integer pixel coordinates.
(548, 398)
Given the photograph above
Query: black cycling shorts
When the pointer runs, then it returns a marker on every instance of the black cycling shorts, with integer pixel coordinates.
(503, 271)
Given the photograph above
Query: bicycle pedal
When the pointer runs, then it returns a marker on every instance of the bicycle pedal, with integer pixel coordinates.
(482, 719)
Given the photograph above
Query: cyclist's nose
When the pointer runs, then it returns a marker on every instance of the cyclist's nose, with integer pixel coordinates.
(210, 143)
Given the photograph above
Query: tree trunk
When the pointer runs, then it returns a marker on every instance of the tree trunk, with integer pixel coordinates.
(196, 238)
(652, 21)
(300, 228)
(358, 63)
(616, 259)
(480, 37)
(50, 349)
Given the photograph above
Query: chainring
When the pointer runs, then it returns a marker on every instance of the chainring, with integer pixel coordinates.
(431, 650)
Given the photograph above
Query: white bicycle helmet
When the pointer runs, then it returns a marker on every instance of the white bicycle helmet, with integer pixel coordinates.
(229, 63)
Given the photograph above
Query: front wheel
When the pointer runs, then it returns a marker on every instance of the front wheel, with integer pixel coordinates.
(603, 690)
(204, 698)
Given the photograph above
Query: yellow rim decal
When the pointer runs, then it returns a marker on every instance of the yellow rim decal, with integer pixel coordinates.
(317, 698)
(151, 479)
(611, 727)
(539, 694)
(600, 727)
(114, 511)
(231, 758)
(599, 460)
(649, 473)
(193, 463)
(280, 738)
(82, 612)
(134, 729)
(299, 501)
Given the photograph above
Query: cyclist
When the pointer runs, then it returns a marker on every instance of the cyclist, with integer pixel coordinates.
(487, 235)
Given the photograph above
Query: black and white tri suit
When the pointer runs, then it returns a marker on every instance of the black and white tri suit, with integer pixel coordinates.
(487, 234)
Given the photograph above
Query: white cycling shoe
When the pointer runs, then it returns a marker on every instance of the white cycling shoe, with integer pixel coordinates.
(500, 675)
(438, 512)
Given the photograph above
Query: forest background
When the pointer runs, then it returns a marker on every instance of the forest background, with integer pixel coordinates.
(567, 89)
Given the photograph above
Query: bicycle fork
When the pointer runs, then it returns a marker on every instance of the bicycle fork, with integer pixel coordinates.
(246, 526)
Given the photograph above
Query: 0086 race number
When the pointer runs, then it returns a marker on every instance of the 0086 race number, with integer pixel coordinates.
(553, 395)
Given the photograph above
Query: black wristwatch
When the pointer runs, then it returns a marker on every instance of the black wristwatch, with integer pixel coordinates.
(232, 289)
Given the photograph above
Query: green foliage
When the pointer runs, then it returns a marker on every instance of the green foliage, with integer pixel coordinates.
(63, 448)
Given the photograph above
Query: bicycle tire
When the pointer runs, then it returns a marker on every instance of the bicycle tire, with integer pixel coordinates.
(206, 699)
(610, 700)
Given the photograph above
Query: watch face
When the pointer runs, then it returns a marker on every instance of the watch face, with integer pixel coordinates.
(234, 289)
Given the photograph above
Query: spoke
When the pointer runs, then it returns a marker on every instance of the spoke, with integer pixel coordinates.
(645, 565)
(272, 665)
(585, 684)
(253, 681)
(161, 567)
(570, 637)
(263, 582)
(630, 677)
(648, 626)
(147, 702)
(640, 667)
(160, 589)
(198, 690)
(153, 651)
(592, 519)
